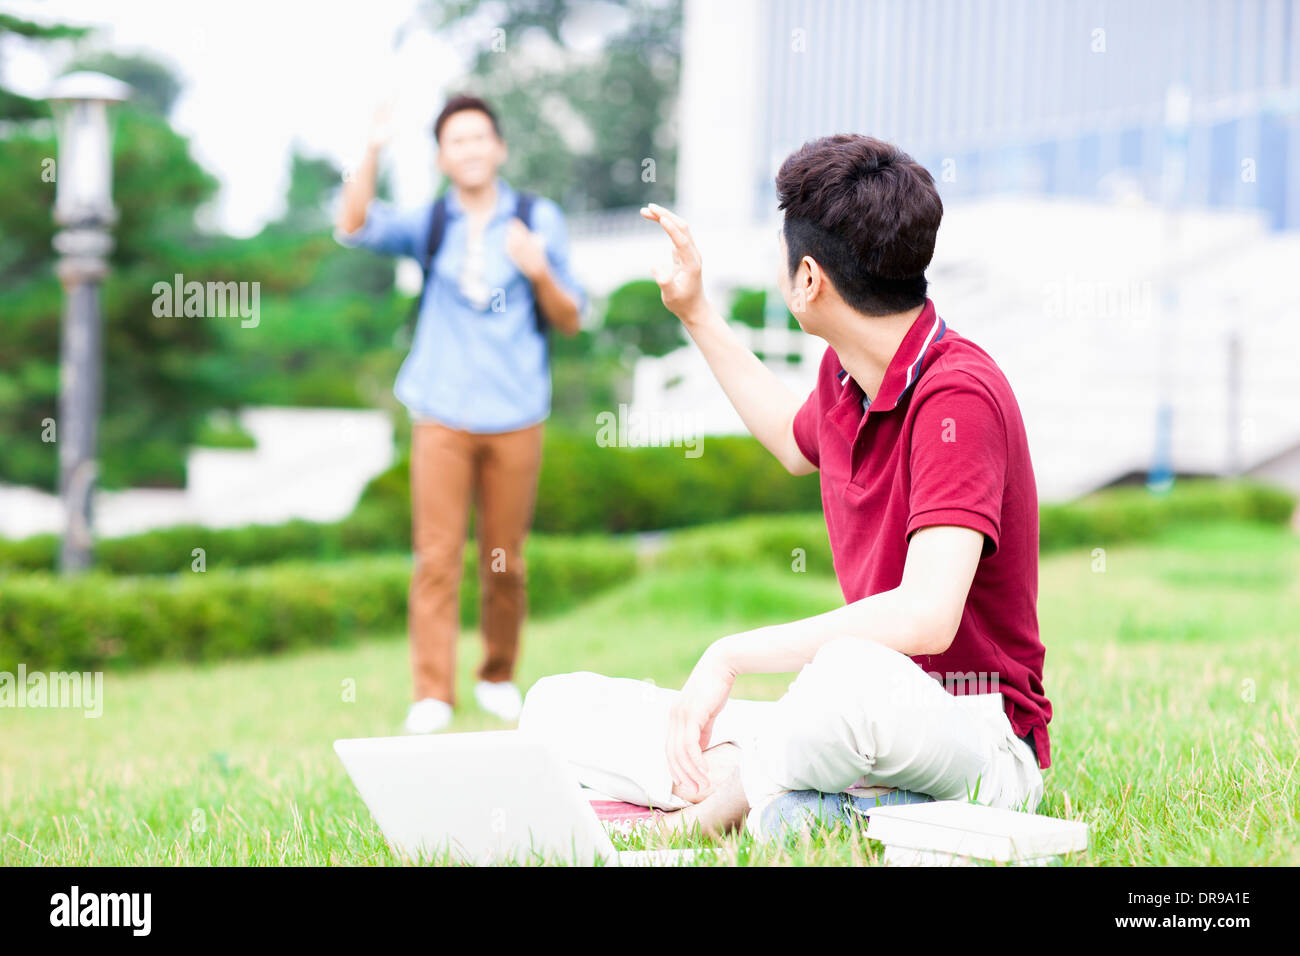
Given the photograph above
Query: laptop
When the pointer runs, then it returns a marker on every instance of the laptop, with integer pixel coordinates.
(482, 798)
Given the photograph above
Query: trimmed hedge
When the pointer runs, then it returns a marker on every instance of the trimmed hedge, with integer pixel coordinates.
(170, 550)
(1105, 518)
(104, 620)
(1133, 513)
(780, 542)
(583, 488)
(101, 620)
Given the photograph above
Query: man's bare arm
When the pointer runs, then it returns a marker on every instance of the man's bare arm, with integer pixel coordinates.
(920, 616)
(766, 405)
(359, 186)
(528, 251)
(557, 305)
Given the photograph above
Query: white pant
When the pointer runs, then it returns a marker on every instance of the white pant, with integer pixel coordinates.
(860, 717)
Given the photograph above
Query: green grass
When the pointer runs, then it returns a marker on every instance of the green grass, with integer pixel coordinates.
(1174, 673)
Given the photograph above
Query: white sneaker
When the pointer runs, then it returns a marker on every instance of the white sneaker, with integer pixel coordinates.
(500, 699)
(428, 716)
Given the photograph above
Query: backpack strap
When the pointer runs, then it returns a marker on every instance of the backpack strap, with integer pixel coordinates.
(524, 210)
(524, 207)
(437, 226)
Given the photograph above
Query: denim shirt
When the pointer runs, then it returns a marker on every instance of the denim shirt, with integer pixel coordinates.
(479, 366)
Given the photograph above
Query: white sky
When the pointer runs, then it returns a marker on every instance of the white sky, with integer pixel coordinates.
(261, 74)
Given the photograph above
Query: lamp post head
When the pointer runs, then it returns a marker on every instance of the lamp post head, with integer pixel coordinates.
(84, 173)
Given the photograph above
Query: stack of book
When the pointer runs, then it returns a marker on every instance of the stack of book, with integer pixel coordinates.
(952, 833)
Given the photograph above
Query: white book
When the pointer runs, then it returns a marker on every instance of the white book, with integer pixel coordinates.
(902, 856)
(960, 829)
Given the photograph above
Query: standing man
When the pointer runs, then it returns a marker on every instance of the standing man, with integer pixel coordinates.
(477, 386)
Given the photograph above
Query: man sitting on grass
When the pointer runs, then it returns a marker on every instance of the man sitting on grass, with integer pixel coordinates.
(927, 684)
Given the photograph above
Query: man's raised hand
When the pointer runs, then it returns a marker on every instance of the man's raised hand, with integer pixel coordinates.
(382, 126)
(679, 282)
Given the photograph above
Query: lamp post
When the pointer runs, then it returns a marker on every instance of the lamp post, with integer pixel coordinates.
(83, 210)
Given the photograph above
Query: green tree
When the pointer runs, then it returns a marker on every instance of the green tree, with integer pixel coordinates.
(635, 318)
(313, 183)
(159, 382)
(622, 99)
(153, 85)
(15, 106)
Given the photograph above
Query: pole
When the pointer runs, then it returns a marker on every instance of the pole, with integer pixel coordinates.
(81, 269)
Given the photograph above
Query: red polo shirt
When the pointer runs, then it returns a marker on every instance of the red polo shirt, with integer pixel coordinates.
(941, 444)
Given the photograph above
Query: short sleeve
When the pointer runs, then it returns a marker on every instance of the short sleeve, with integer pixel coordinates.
(958, 459)
(806, 422)
(389, 230)
(548, 222)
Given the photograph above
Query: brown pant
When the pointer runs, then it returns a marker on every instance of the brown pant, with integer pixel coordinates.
(498, 472)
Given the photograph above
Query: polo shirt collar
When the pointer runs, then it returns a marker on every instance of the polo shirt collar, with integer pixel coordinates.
(901, 374)
(505, 200)
(909, 358)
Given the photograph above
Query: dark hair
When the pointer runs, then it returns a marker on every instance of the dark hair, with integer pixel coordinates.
(459, 103)
(867, 212)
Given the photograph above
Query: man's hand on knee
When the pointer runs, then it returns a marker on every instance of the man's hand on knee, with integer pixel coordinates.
(690, 724)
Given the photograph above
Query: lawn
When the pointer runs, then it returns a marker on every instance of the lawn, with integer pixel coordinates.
(1174, 672)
